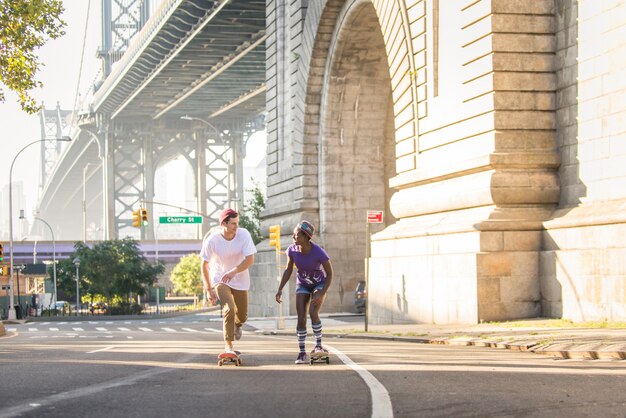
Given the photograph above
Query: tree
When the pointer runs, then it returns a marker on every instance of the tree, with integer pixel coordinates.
(186, 275)
(26, 25)
(112, 270)
(250, 219)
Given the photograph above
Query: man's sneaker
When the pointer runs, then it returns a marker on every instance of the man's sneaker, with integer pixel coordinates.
(238, 332)
(302, 359)
(230, 350)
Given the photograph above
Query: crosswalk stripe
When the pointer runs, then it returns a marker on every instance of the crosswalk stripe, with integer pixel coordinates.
(113, 329)
(190, 330)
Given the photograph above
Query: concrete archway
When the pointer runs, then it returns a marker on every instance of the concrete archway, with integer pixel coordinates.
(356, 144)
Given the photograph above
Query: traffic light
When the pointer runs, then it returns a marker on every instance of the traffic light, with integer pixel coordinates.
(144, 217)
(1, 251)
(275, 236)
(137, 218)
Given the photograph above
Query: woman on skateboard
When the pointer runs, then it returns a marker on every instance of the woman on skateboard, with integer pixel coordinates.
(226, 256)
(315, 274)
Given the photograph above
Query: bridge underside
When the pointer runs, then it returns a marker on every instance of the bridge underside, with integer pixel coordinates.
(191, 85)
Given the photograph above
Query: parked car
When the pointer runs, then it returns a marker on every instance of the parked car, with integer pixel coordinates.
(360, 296)
(99, 308)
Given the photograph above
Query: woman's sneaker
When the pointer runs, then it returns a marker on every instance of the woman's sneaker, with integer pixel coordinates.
(302, 358)
(319, 349)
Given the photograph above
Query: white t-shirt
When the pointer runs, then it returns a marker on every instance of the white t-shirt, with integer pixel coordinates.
(223, 255)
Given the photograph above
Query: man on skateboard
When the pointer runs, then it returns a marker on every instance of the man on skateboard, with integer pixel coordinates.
(227, 254)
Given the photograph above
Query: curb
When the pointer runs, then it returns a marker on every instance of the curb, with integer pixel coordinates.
(565, 351)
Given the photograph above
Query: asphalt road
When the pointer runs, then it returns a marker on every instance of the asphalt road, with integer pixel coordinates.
(168, 368)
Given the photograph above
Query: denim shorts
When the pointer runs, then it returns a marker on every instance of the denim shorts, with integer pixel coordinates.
(304, 290)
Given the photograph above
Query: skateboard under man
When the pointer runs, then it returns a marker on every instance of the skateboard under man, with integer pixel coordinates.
(319, 357)
(229, 358)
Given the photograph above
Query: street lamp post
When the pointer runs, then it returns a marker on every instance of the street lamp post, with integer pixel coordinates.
(76, 262)
(54, 258)
(207, 123)
(85, 204)
(11, 299)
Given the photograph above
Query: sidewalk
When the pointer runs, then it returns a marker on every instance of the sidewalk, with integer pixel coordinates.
(542, 336)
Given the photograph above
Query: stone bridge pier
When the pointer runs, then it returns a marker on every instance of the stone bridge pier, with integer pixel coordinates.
(458, 120)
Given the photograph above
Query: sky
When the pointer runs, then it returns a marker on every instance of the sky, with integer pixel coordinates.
(60, 75)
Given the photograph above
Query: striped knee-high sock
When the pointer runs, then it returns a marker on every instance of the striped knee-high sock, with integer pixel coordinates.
(317, 331)
(301, 339)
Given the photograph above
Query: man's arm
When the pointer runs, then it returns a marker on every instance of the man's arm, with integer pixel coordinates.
(243, 266)
(206, 280)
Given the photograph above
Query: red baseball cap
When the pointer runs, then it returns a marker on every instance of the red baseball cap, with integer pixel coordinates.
(226, 213)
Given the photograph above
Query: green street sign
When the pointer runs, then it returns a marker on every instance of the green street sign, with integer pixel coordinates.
(180, 219)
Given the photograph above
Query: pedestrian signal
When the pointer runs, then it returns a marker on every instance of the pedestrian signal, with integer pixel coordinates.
(137, 218)
(275, 236)
(1, 251)
(144, 217)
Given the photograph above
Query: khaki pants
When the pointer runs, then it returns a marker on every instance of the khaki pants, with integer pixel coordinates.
(235, 309)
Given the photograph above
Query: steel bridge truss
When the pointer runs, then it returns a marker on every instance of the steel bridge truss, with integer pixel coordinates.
(216, 162)
(121, 21)
(53, 123)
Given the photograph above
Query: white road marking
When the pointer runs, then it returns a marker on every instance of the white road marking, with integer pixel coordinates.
(168, 329)
(381, 402)
(54, 329)
(123, 329)
(218, 331)
(62, 397)
(33, 329)
(190, 330)
(101, 329)
(102, 349)
(145, 329)
(78, 329)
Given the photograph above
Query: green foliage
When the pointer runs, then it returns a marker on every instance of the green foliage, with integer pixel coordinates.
(26, 25)
(126, 307)
(186, 275)
(250, 217)
(112, 271)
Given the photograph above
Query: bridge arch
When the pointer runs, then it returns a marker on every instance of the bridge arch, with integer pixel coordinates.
(356, 153)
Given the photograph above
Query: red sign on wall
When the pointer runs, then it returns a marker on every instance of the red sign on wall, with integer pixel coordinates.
(374, 216)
